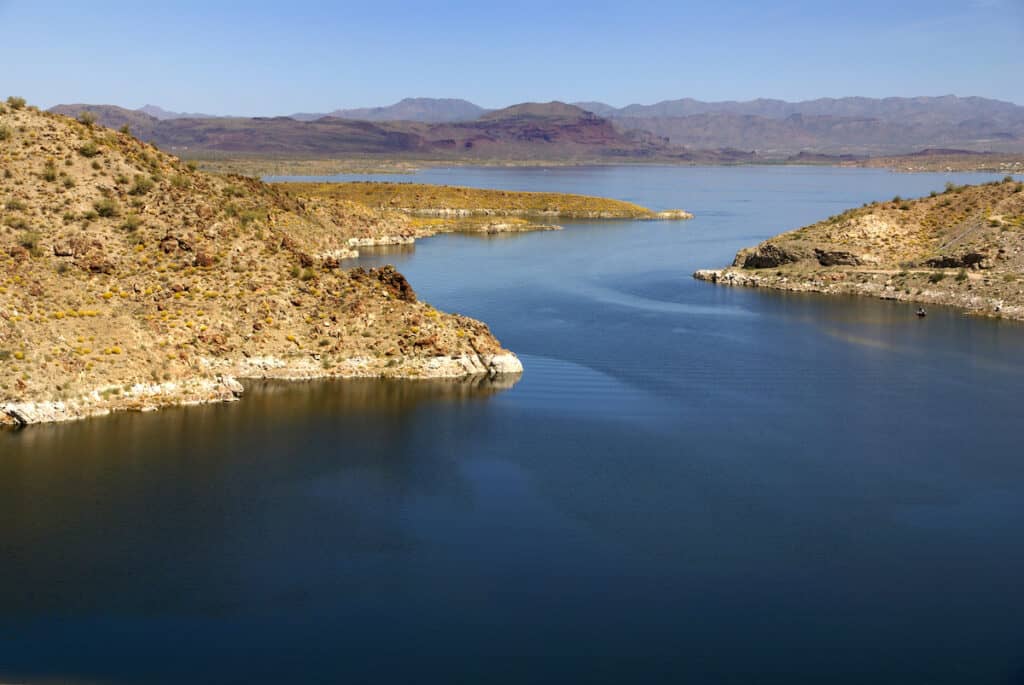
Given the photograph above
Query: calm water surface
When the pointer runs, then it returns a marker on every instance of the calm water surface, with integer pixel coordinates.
(689, 483)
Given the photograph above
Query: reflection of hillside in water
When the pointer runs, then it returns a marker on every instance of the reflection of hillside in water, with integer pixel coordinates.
(152, 513)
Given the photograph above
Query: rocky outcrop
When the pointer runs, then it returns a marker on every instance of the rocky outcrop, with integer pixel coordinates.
(967, 260)
(768, 255)
(837, 257)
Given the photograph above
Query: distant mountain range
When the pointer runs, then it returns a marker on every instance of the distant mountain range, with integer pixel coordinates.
(427, 110)
(673, 129)
(161, 113)
(532, 131)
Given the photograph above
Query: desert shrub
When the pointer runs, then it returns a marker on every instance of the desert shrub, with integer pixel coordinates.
(14, 205)
(1007, 179)
(897, 199)
(49, 171)
(5, 132)
(87, 117)
(96, 165)
(141, 186)
(179, 181)
(106, 207)
(15, 102)
(63, 268)
(89, 149)
(29, 239)
(131, 223)
(1019, 188)
(961, 276)
(250, 215)
(905, 206)
(69, 182)
(18, 223)
(126, 129)
(936, 276)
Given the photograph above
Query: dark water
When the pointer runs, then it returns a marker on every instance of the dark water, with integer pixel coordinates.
(689, 483)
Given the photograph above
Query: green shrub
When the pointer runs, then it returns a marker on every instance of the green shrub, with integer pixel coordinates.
(179, 181)
(5, 132)
(141, 186)
(15, 102)
(961, 276)
(106, 207)
(126, 130)
(936, 276)
(87, 118)
(89, 149)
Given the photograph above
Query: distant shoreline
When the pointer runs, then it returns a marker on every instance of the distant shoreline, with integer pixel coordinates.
(275, 167)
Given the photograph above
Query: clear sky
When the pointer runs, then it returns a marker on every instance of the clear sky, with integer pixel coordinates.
(264, 58)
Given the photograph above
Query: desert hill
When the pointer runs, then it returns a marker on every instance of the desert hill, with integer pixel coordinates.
(130, 280)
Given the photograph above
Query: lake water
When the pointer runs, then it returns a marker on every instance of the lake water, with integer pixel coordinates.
(689, 483)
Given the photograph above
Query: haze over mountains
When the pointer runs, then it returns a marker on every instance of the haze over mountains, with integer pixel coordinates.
(673, 129)
(427, 110)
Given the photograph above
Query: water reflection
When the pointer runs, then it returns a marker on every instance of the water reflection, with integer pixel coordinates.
(175, 500)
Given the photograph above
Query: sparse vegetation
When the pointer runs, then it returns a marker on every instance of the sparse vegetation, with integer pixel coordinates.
(106, 207)
(15, 102)
(141, 185)
(89, 149)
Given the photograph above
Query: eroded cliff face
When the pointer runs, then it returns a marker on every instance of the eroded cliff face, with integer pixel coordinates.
(963, 247)
(130, 280)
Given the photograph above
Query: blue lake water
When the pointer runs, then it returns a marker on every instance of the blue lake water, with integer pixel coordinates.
(689, 483)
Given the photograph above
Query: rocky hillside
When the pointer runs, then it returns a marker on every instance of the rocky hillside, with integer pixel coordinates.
(130, 280)
(963, 247)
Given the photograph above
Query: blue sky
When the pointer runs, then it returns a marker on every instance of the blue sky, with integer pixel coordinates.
(265, 58)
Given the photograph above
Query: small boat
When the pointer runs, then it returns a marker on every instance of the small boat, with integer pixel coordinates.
(921, 313)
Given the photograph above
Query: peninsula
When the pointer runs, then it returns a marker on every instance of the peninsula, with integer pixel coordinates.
(418, 211)
(963, 247)
(130, 280)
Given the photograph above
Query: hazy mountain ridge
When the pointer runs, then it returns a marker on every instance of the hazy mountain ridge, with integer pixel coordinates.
(426, 110)
(674, 129)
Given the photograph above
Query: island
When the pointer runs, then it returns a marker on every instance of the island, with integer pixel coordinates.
(963, 247)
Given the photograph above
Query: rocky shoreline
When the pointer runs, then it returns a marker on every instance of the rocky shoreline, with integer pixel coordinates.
(221, 383)
(880, 286)
(961, 248)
